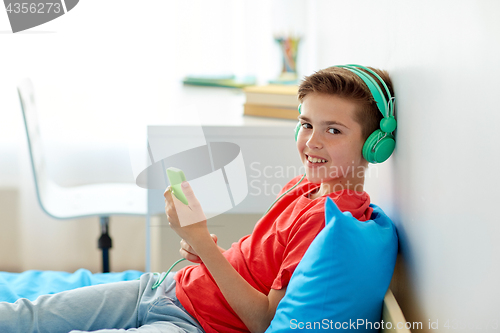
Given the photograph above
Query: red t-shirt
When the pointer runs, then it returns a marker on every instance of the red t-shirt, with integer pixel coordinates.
(267, 258)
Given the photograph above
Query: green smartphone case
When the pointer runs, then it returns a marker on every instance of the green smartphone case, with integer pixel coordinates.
(176, 177)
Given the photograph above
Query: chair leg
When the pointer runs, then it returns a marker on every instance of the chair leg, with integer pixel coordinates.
(105, 243)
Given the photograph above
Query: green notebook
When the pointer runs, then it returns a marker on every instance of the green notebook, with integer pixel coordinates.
(228, 81)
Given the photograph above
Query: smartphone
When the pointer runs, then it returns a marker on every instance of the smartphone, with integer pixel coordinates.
(176, 177)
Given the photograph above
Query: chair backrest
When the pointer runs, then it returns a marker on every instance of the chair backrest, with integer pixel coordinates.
(28, 106)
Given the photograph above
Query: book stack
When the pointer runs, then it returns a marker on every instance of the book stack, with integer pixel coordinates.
(277, 101)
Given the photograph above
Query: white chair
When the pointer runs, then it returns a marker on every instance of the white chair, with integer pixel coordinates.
(102, 200)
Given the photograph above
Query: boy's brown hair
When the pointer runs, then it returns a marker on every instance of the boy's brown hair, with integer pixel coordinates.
(344, 83)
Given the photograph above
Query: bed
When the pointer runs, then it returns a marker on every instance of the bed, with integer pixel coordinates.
(33, 283)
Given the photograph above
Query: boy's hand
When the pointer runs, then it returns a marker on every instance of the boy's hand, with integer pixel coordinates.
(188, 221)
(187, 251)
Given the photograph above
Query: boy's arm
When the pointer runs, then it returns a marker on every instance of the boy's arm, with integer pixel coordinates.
(255, 309)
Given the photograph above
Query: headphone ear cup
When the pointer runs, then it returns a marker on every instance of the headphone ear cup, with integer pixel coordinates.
(297, 129)
(378, 148)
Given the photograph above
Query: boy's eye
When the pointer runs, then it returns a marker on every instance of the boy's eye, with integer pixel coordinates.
(333, 131)
(306, 125)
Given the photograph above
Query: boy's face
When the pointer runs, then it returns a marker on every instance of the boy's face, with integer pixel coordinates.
(330, 142)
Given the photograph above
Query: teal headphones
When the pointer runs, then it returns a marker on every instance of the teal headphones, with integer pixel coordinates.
(380, 144)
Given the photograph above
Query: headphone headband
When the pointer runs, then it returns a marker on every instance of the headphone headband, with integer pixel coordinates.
(386, 107)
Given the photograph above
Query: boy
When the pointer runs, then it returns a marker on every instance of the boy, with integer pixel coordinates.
(337, 116)
(236, 290)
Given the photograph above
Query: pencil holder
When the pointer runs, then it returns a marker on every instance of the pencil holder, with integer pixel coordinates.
(289, 47)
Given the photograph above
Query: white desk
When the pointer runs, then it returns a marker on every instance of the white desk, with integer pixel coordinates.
(269, 153)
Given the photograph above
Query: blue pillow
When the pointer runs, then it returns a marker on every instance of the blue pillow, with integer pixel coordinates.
(341, 281)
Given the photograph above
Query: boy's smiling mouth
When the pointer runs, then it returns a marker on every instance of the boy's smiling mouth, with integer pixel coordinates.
(315, 159)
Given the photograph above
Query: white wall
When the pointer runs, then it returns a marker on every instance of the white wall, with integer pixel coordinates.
(443, 58)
